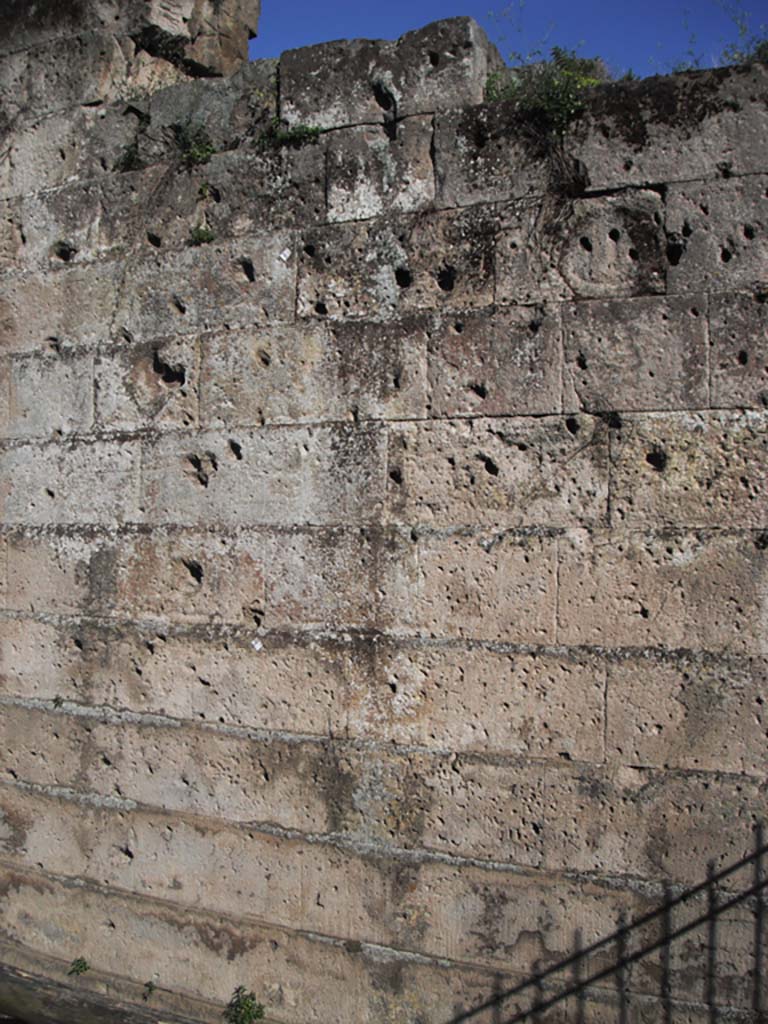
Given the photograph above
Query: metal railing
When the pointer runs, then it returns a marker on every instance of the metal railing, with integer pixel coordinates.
(628, 945)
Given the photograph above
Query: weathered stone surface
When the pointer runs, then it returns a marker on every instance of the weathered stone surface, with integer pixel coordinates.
(46, 483)
(484, 155)
(66, 307)
(699, 715)
(636, 354)
(484, 587)
(310, 371)
(279, 476)
(372, 171)
(378, 269)
(739, 333)
(150, 384)
(633, 133)
(560, 248)
(718, 232)
(66, 376)
(451, 697)
(230, 283)
(673, 589)
(344, 83)
(503, 362)
(691, 469)
(499, 472)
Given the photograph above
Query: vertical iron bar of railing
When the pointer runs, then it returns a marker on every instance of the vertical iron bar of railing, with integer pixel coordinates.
(666, 982)
(621, 971)
(711, 943)
(578, 946)
(759, 905)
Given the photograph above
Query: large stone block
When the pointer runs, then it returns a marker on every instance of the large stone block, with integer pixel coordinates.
(634, 354)
(667, 589)
(483, 587)
(506, 362)
(231, 283)
(378, 269)
(275, 476)
(633, 133)
(311, 371)
(49, 394)
(739, 335)
(718, 233)
(94, 482)
(459, 698)
(499, 472)
(373, 171)
(60, 572)
(597, 247)
(343, 83)
(67, 307)
(689, 713)
(691, 470)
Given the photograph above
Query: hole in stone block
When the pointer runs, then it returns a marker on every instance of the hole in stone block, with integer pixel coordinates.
(743, 357)
(572, 425)
(321, 309)
(749, 232)
(194, 569)
(309, 249)
(403, 277)
(657, 458)
(383, 96)
(726, 255)
(396, 476)
(479, 389)
(169, 374)
(178, 304)
(581, 361)
(458, 327)
(154, 239)
(614, 234)
(236, 449)
(446, 278)
(64, 250)
(434, 58)
(264, 357)
(585, 243)
(634, 255)
(248, 269)
(489, 464)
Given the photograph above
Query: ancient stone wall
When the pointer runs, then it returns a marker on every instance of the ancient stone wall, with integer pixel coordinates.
(385, 550)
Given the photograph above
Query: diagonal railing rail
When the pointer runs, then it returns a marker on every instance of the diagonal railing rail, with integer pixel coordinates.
(619, 946)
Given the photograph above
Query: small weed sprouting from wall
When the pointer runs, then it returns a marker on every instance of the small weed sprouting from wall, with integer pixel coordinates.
(194, 144)
(276, 136)
(201, 235)
(243, 1007)
(79, 966)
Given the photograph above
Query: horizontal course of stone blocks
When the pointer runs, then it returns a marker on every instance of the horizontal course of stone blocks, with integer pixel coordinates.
(384, 554)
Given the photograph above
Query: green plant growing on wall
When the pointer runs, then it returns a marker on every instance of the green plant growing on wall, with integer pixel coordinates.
(149, 988)
(243, 1007)
(548, 93)
(194, 144)
(276, 136)
(79, 966)
(129, 159)
(201, 235)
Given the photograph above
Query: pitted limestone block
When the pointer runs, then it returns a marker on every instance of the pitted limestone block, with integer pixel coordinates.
(332, 85)
(279, 476)
(559, 248)
(636, 354)
(289, 684)
(472, 914)
(666, 589)
(69, 307)
(311, 372)
(700, 714)
(488, 587)
(485, 154)
(499, 472)
(379, 269)
(633, 133)
(206, 958)
(242, 282)
(738, 327)
(703, 469)
(718, 234)
(49, 394)
(60, 572)
(446, 696)
(162, 763)
(11, 236)
(182, 576)
(147, 385)
(373, 171)
(583, 818)
(46, 483)
(505, 362)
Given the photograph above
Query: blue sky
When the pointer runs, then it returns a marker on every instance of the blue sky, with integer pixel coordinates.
(648, 37)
